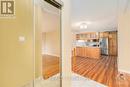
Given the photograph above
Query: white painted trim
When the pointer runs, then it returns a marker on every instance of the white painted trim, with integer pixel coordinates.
(32, 83)
(51, 54)
(39, 79)
(125, 71)
(29, 84)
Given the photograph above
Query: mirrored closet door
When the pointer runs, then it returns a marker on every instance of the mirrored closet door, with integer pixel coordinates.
(48, 36)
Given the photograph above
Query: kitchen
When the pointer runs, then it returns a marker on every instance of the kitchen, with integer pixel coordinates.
(94, 55)
(95, 44)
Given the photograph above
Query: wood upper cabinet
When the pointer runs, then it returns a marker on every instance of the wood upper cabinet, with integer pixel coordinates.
(103, 34)
(87, 36)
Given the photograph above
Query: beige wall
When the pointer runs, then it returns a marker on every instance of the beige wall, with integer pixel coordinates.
(51, 43)
(16, 59)
(124, 41)
(38, 42)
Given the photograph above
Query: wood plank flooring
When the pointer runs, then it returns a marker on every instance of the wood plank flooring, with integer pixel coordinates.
(50, 66)
(102, 70)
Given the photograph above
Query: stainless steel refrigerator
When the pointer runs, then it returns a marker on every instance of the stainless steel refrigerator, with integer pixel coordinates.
(104, 46)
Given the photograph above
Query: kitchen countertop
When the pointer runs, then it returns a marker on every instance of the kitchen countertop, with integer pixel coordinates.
(89, 46)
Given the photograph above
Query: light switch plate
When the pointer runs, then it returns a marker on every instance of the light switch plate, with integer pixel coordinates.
(21, 39)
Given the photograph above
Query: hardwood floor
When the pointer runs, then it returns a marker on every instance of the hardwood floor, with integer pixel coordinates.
(102, 70)
(50, 66)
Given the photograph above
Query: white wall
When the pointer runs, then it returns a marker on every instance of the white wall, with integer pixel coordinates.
(51, 43)
(66, 44)
(73, 40)
(124, 41)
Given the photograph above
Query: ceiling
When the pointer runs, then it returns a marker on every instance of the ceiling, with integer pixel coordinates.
(101, 15)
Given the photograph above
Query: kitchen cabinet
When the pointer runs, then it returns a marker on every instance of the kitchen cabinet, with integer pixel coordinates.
(113, 48)
(112, 42)
(87, 36)
(104, 34)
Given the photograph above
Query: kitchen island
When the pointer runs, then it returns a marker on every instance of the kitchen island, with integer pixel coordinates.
(86, 51)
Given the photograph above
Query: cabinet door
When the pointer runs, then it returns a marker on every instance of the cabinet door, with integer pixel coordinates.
(113, 44)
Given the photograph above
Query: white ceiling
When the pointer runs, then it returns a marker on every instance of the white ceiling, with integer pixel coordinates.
(101, 13)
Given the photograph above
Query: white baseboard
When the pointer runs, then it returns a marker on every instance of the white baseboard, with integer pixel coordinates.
(29, 84)
(39, 79)
(51, 54)
(125, 71)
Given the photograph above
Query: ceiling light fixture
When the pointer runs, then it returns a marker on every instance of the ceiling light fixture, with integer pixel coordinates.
(83, 26)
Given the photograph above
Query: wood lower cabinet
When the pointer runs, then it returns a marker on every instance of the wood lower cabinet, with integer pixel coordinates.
(91, 52)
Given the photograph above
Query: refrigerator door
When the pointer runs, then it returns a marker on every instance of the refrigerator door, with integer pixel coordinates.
(104, 46)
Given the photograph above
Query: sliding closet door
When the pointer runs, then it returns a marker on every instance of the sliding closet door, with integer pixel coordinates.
(16, 43)
(48, 43)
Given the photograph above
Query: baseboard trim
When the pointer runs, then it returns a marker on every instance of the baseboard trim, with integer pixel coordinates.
(51, 54)
(125, 71)
(32, 83)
